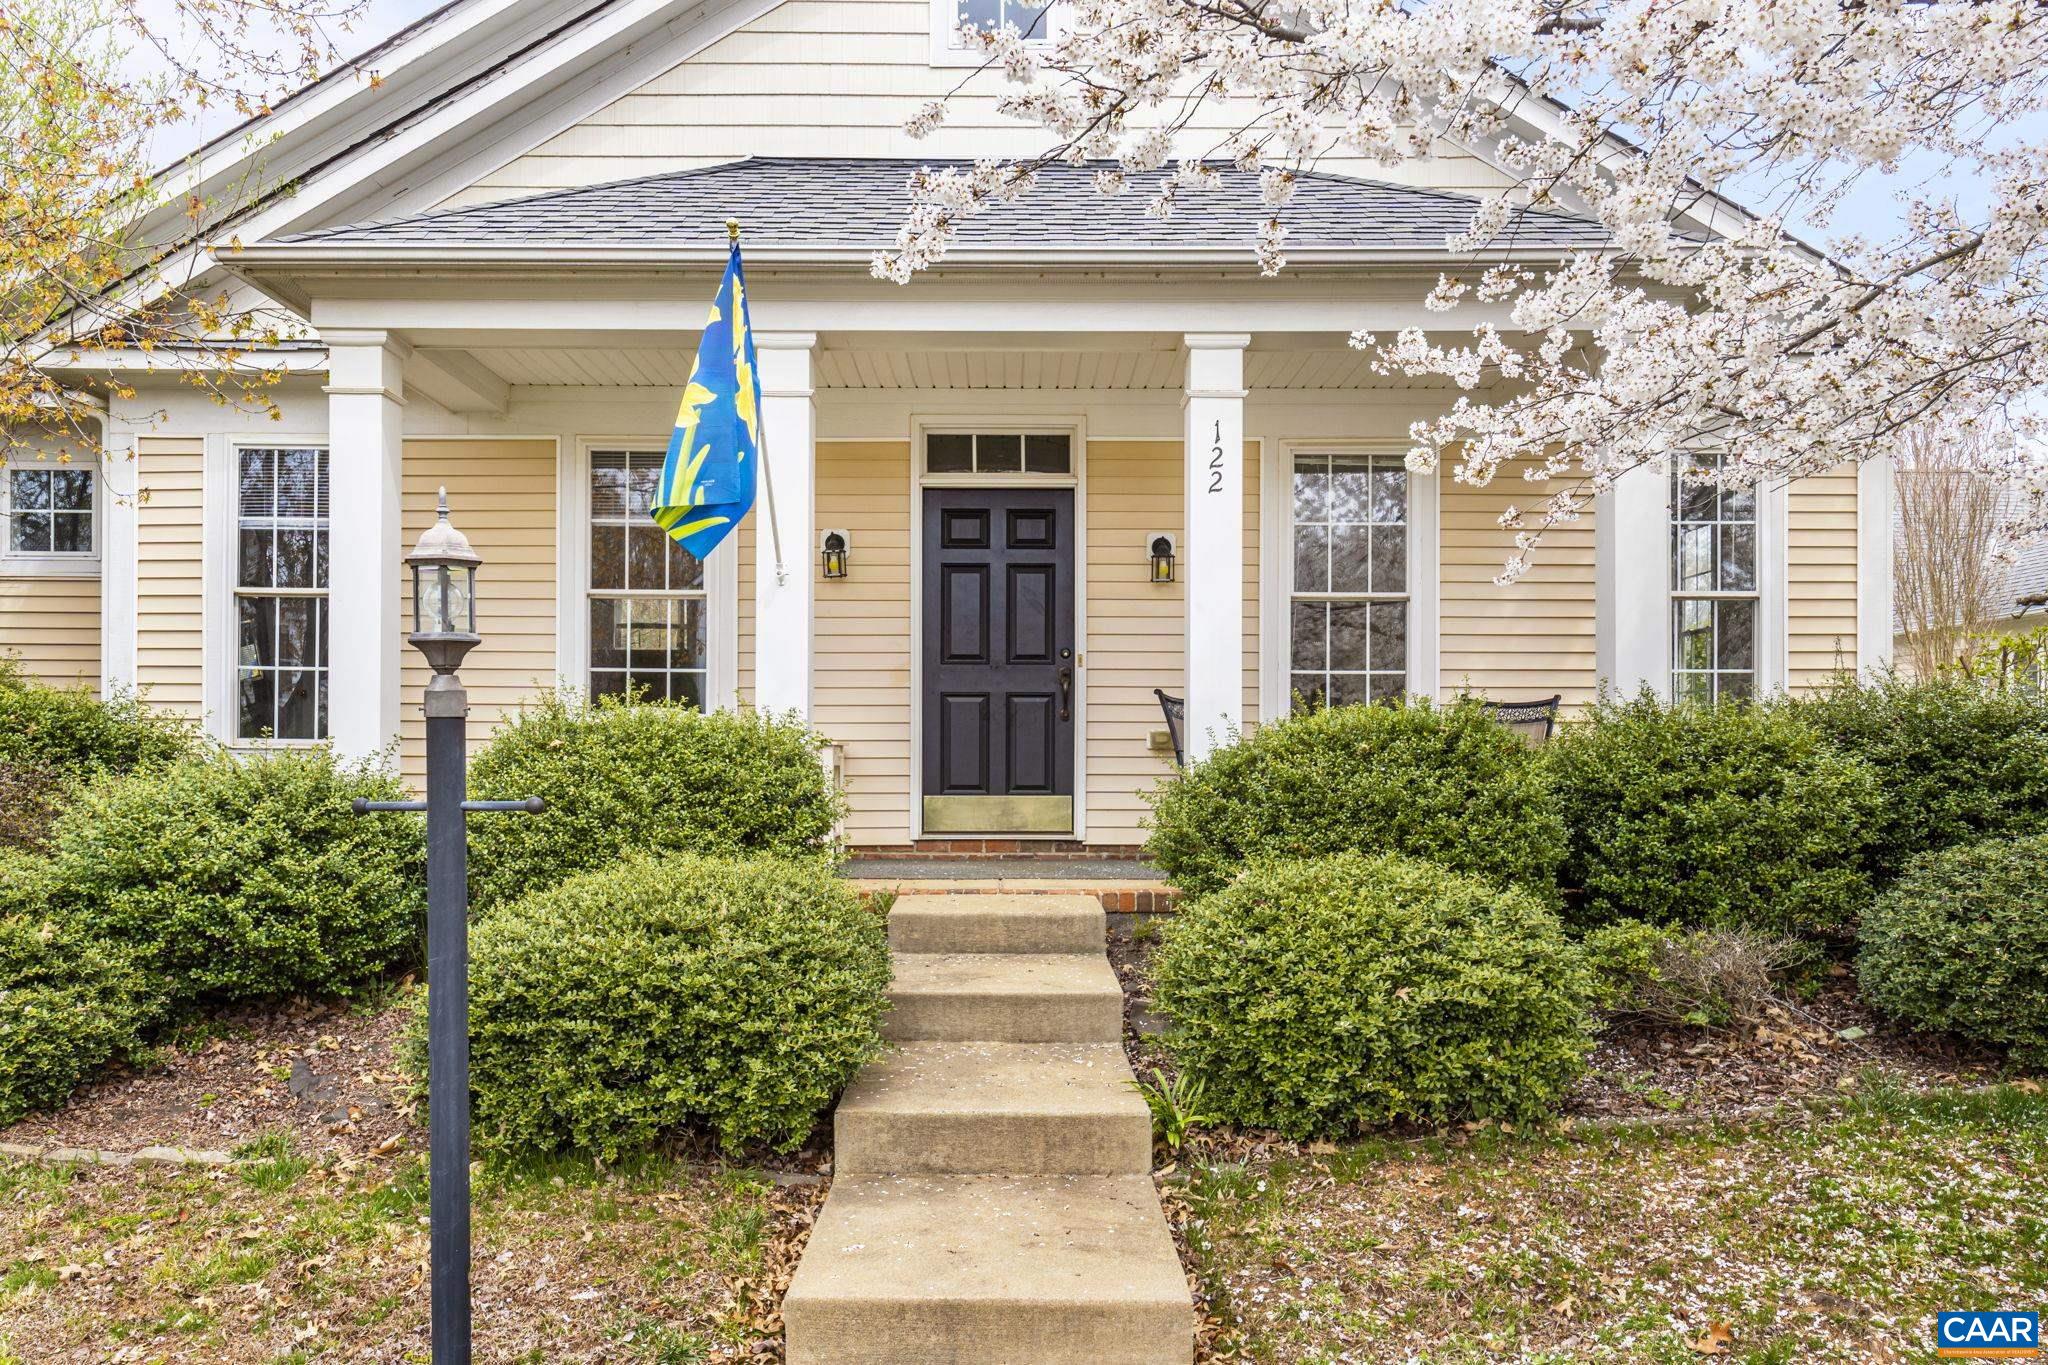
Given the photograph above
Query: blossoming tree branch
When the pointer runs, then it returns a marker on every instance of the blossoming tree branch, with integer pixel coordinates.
(1769, 343)
(92, 235)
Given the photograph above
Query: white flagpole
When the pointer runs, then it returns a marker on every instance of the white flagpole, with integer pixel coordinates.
(732, 230)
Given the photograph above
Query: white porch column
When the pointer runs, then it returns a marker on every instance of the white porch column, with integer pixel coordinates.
(365, 625)
(1631, 588)
(1874, 512)
(782, 594)
(119, 522)
(1213, 552)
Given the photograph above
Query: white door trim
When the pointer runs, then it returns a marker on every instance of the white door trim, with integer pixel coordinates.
(1076, 427)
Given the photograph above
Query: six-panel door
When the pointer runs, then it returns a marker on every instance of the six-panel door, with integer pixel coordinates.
(998, 650)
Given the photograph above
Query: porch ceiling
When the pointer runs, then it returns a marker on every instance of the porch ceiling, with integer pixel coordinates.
(901, 368)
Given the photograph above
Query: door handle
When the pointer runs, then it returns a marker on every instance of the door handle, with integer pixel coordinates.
(1066, 691)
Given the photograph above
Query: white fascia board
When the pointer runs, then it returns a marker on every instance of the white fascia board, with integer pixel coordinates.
(490, 320)
(263, 261)
(179, 360)
(518, 82)
(324, 119)
(382, 156)
(603, 83)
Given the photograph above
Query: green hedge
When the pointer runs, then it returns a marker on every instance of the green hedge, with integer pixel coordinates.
(1732, 816)
(733, 996)
(649, 778)
(1959, 761)
(1325, 995)
(1443, 783)
(1960, 943)
(238, 879)
(71, 730)
(68, 1004)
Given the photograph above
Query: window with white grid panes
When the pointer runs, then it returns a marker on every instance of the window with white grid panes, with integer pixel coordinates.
(649, 621)
(1714, 594)
(281, 534)
(1348, 617)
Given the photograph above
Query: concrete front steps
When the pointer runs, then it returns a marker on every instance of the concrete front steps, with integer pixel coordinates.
(992, 1199)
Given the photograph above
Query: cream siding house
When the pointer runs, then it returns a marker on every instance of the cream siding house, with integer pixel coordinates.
(500, 255)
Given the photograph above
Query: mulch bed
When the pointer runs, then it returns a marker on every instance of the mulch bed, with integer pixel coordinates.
(1647, 1071)
(325, 1075)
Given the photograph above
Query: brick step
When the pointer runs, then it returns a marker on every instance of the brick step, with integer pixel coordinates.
(1004, 998)
(995, 1108)
(967, 1270)
(996, 924)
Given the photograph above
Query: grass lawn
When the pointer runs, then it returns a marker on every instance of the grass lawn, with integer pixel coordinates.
(1822, 1237)
(282, 1260)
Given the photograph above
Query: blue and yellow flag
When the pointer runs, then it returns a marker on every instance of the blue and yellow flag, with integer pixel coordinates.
(707, 482)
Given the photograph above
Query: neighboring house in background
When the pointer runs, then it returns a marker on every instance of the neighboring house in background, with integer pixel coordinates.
(2011, 600)
(505, 250)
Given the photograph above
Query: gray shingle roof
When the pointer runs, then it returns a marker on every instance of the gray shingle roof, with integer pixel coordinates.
(858, 203)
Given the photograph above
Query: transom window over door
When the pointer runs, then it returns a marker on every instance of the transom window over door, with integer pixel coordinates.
(648, 631)
(1348, 622)
(1714, 587)
(281, 531)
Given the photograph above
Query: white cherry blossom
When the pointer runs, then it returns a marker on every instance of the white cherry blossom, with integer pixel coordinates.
(1702, 325)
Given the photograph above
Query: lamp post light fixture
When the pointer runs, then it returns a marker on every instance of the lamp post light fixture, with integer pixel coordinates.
(444, 629)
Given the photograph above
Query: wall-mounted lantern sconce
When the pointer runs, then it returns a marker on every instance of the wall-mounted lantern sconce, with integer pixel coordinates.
(832, 549)
(1162, 558)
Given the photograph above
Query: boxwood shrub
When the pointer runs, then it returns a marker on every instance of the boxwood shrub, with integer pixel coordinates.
(1443, 783)
(1321, 996)
(244, 878)
(1960, 761)
(1733, 815)
(68, 1004)
(1960, 943)
(71, 730)
(731, 996)
(650, 778)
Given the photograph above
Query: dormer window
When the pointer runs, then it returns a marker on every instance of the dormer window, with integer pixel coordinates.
(1032, 18)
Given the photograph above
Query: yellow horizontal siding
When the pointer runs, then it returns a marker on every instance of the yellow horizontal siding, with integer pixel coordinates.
(52, 627)
(1528, 639)
(861, 632)
(506, 492)
(1137, 629)
(170, 571)
(1820, 577)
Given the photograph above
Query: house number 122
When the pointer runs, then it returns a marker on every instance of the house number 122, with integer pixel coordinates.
(1216, 460)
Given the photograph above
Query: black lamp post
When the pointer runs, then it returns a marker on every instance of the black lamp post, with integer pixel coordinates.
(444, 630)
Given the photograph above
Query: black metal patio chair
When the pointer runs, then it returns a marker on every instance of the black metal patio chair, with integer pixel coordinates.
(1176, 711)
(1535, 720)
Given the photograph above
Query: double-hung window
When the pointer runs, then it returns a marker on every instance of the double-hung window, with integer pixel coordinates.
(50, 511)
(1348, 618)
(1714, 598)
(648, 624)
(281, 533)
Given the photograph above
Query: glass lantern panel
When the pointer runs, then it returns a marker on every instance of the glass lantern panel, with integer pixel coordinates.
(462, 600)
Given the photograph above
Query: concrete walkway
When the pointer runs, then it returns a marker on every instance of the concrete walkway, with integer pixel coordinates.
(992, 1200)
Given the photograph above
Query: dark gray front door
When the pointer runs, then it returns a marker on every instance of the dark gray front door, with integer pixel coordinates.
(998, 660)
